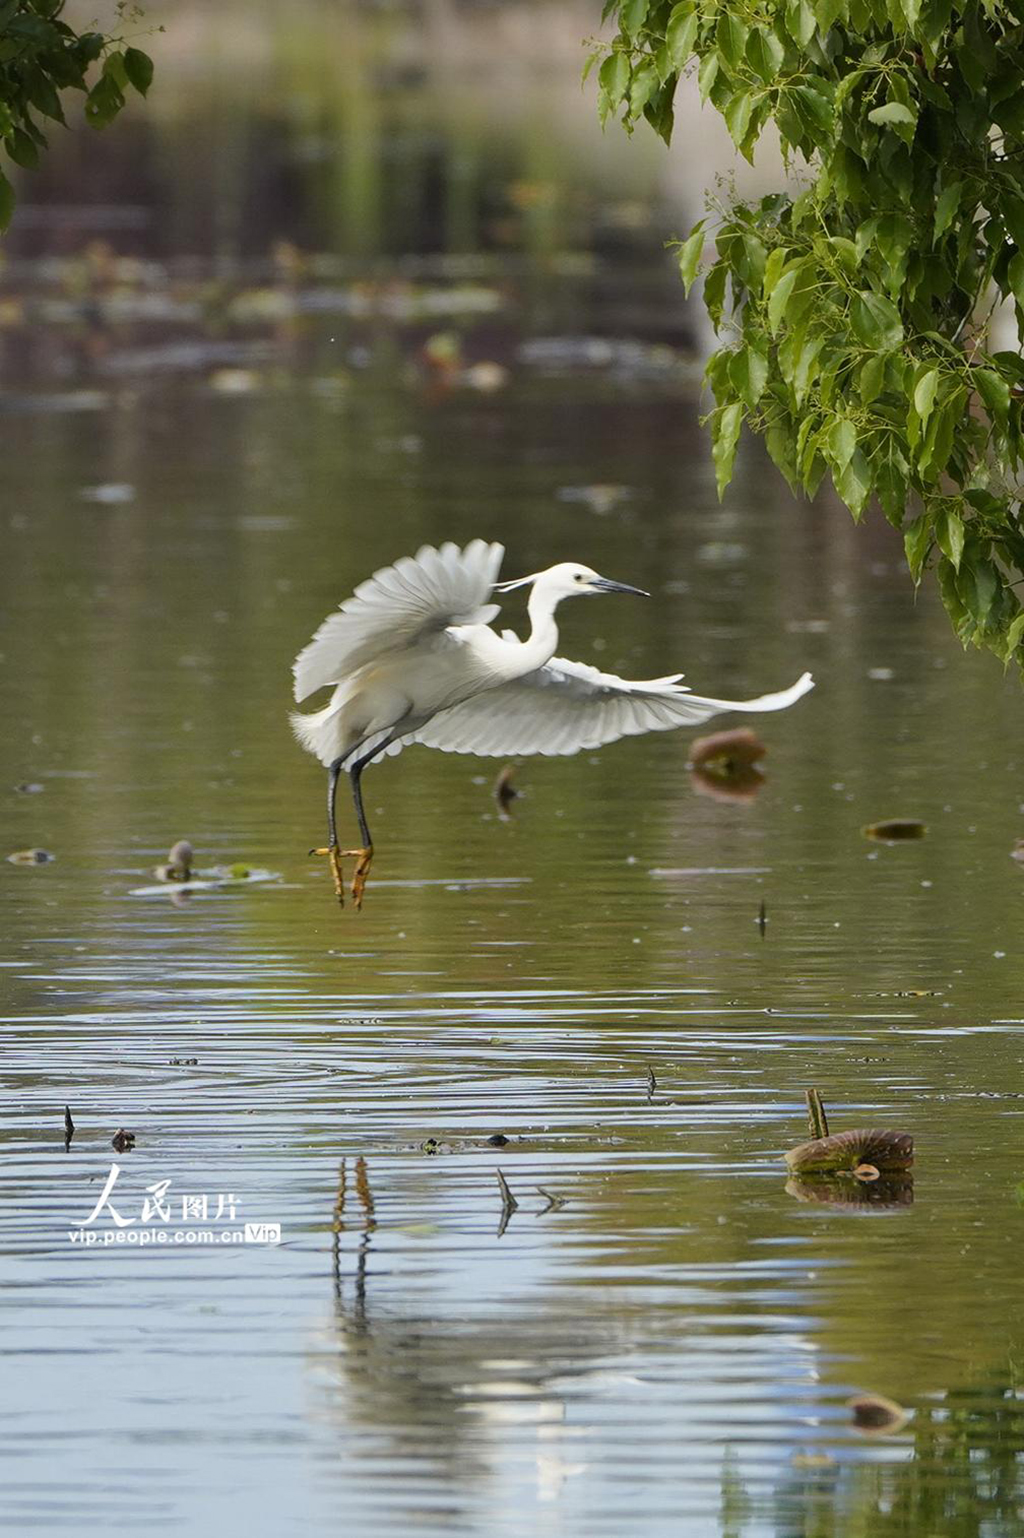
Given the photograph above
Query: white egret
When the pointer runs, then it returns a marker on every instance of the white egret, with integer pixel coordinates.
(412, 658)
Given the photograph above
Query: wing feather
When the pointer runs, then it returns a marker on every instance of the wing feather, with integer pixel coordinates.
(392, 609)
(566, 707)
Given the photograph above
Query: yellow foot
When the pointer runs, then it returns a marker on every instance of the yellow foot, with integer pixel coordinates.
(363, 859)
(334, 855)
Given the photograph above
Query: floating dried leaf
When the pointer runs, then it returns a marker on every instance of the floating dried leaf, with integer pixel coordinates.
(895, 829)
(123, 1141)
(845, 1151)
(31, 857)
(726, 753)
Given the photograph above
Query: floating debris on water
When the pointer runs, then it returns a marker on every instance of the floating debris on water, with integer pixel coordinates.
(123, 1141)
(875, 1413)
(31, 857)
(895, 829)
(599, 498)
(497, 1140)
(846, 1151)
(178, 866)
(1017, 852)
(69, 1128)
(29, 788)
(110, 494)
(505, 792)
(219, 878)
(727, 753)
(554, 1203)
(183, 1062)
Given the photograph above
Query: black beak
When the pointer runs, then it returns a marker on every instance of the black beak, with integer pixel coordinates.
(606, 585)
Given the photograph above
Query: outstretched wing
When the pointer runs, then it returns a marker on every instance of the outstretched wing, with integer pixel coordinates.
(421, 593)
(565, 707)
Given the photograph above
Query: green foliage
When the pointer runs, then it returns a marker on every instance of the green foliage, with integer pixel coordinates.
(41, 56)
(849, 313)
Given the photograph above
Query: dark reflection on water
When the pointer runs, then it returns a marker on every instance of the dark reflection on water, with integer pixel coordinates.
(670, 1347)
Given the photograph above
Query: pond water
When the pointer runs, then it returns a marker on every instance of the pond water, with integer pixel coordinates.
(663, 1335)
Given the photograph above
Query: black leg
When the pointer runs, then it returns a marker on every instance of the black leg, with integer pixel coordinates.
(333, 774)
(355, 775)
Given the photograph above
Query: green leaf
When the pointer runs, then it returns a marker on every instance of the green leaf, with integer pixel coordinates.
(731, 37)
(681, 33)
(103, 102)
(842, 440)
(23, 150)
(1014, 635)
(764, 54)
(714, 293)
(613, 79)
(994, 391)
(871, 378)
(690, 253)
(876, 321)
(917, 541)
(854, 483)
(114, 66)
(707, 74)
(726, 432)
(737, 116)
(642, 87)
(924, 393)
(632, 15)
(893, 113)
(780, 297)
(139, 69)
(949, 535)
(748, 373)
(800, 22)
(946, 206)
(7, 201)
(978, 584)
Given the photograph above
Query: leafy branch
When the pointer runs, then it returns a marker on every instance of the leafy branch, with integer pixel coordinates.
(848, 312)
(41, 56)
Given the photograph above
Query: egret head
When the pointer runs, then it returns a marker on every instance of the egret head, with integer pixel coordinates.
(570, 579)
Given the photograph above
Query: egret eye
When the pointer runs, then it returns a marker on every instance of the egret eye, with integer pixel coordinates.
(579, 576)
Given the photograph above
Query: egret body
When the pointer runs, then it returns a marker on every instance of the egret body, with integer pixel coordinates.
(412, 658)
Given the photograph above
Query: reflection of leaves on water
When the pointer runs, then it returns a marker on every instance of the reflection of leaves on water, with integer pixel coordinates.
(962, 1475)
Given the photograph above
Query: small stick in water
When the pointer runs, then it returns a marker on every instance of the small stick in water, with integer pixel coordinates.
(508, 1202)
(652, 1083)
(69, 1128)
(817, 1121)
(762, 918)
